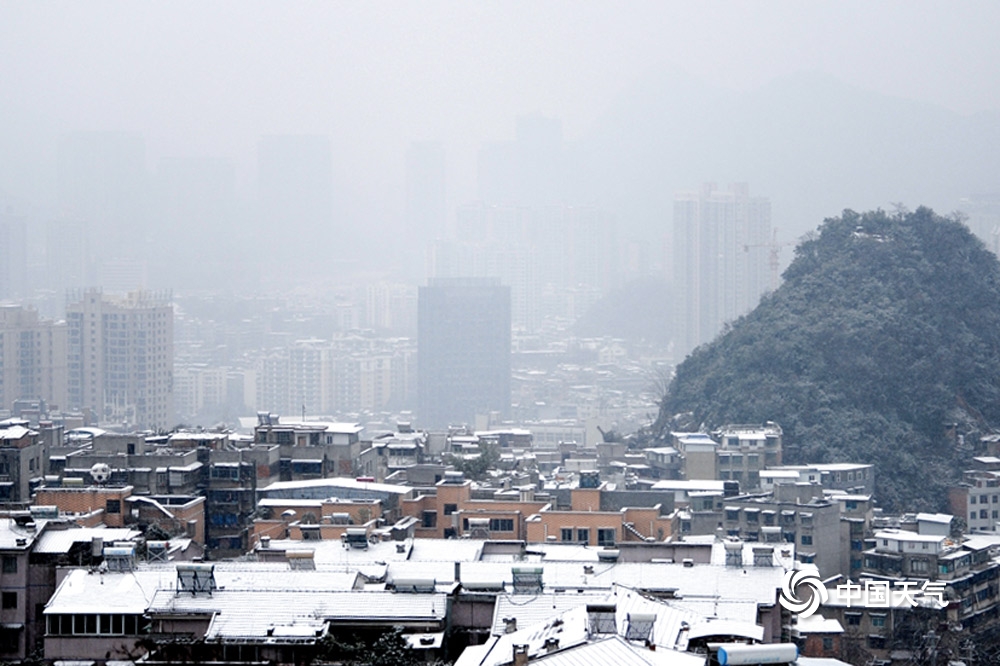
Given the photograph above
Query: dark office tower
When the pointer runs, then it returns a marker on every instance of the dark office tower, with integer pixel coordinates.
(295, 186)
(722, 249)
(13, 256)
(463, 350)
(103, 180)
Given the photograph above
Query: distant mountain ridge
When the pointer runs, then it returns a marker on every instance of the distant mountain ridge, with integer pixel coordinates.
(881, 346)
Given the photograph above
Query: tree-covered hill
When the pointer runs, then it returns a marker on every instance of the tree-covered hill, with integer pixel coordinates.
(881, 346)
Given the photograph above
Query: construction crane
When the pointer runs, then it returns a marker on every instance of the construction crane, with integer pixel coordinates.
(773, 255)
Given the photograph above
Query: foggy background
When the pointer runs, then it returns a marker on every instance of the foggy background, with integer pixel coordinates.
(819, 106)
(309, 149)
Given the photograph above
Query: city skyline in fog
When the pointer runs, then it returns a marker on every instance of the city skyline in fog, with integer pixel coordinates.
(818, 107)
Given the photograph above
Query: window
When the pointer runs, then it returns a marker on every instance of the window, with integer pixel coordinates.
(501, 524)
(878, 620)
(83, 625)
(9, 564)
(430, 519)
(752, 516)
(450, 509)
(853, 619)
(566, 534)
(606, 536)
(983, 513)
(972, 499)
(807, 540)
(8, 600)
(827, 644)
(113, 506)
(9, 639)
(583, 535)
(733, 514)
(228, 472)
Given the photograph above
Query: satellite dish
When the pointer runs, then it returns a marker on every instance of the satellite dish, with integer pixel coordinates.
(101, 472)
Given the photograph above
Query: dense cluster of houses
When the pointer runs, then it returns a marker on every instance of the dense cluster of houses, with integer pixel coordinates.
(278, 545)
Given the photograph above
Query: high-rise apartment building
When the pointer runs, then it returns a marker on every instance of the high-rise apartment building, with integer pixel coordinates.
(528, 171)
(102, 179)
(13, 256)
(551, 249)
(120, 357)
(463, 350)
(32, 358)
(345, 375)
(295, 186)
(721, 245)
(67, 255)
(426, 217)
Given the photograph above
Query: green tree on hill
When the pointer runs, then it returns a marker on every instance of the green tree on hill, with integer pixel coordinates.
(880, 346)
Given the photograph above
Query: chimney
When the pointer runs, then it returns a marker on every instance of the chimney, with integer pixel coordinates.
(551, 644)
(520, 655)
(265, 542)
(509, 625)
(458, 572)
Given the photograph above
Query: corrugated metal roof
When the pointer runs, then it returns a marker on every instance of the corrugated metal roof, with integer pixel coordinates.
(536, 609)
(618, 651)
(238, 612)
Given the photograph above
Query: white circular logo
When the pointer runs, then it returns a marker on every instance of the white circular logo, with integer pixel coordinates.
(789, 586)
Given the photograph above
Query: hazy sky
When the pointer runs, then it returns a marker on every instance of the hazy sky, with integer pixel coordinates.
(199, 78)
